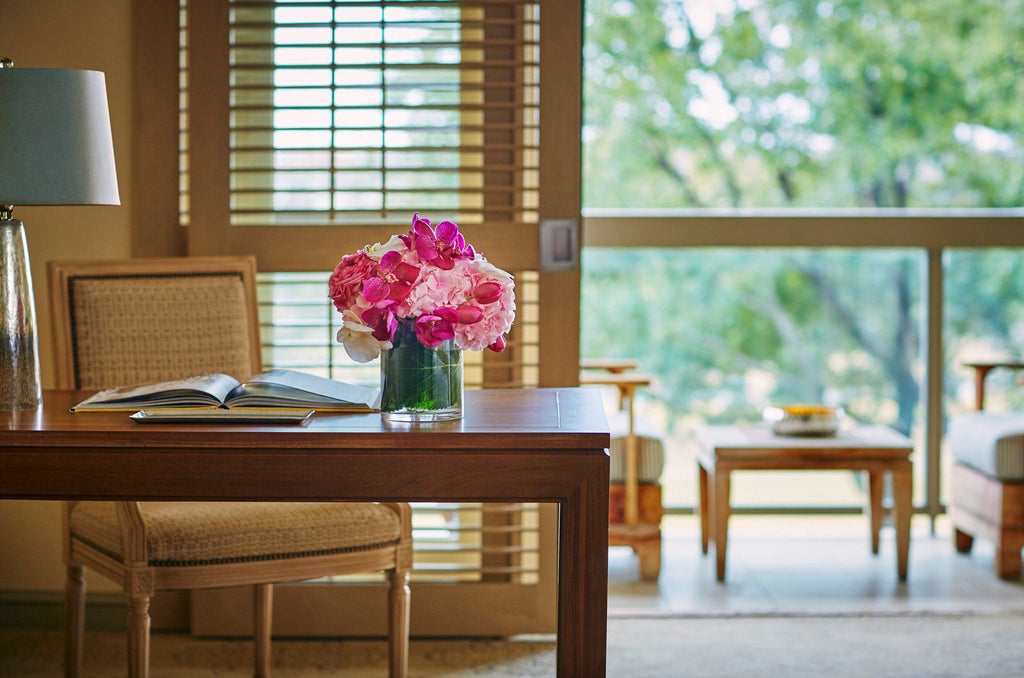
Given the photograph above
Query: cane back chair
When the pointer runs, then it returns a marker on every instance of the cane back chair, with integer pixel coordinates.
(119, 323)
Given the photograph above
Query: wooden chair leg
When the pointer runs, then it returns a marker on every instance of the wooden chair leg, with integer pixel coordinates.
(962, 541)
(398, 624)
(138, 636)
(649, 554)
(263, 605)
(74, 625)
(1007, 559)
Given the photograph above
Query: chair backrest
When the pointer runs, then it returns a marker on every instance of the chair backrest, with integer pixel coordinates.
(135, 321)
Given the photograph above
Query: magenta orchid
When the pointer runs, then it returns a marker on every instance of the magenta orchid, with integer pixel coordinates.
(440, 246)
(431, 276)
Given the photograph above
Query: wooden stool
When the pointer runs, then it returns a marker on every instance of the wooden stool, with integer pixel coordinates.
(635, 511)
(642, 531)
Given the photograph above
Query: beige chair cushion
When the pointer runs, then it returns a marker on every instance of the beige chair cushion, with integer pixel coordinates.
(650, 460)
(651, 447)
(207, 533)
(991, 443)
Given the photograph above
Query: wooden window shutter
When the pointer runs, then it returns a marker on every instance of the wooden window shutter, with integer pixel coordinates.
(324, 126)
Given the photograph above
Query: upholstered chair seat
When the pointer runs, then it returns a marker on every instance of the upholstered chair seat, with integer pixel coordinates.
(989, 442)
(180, 534)
(650, 460)
(987, 485)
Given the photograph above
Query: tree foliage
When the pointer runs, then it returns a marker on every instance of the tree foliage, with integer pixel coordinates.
(803, 104)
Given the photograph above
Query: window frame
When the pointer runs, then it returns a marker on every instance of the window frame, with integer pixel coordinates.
(931, 231)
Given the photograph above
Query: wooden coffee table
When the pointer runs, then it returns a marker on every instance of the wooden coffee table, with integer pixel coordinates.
(876, 450)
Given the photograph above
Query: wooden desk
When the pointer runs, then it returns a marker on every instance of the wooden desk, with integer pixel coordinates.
(874, 449)
(543, 445)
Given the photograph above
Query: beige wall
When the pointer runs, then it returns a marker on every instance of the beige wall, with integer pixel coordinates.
(95, 35)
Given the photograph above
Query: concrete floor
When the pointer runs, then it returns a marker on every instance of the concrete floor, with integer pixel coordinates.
(810, 565)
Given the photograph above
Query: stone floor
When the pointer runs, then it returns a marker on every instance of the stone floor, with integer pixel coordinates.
(810, 565)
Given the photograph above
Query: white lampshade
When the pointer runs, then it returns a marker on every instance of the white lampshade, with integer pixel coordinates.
(55, 149)
(55, 143)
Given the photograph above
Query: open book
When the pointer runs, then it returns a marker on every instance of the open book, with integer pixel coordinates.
(272, 389)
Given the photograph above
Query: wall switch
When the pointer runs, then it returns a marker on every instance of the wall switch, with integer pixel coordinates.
(559, 250)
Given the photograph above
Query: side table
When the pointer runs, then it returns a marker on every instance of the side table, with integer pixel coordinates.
(876, 450)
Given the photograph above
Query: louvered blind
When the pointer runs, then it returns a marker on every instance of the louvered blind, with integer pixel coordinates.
(183, 116)
(350, 111)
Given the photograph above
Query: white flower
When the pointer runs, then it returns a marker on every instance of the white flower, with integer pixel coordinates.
(358, 339)
(378, 250)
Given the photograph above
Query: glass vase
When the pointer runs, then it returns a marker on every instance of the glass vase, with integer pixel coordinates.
(419, 383)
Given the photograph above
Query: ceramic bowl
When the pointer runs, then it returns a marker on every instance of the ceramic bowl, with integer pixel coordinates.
(804, 420)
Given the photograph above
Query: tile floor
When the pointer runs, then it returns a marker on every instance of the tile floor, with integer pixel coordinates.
(810, 565)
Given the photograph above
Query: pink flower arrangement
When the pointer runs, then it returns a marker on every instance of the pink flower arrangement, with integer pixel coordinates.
(429, 276)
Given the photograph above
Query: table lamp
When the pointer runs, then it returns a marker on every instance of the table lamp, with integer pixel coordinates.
(55, 149)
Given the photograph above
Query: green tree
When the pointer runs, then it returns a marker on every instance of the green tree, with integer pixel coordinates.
(705, 320)
(804, 104)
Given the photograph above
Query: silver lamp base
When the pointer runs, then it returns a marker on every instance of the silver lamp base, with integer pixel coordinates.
(19, 353)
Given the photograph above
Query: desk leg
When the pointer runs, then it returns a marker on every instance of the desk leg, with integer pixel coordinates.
(720, 519)
(704, 517)
(876, 485)
(903, 508)
(583, 580)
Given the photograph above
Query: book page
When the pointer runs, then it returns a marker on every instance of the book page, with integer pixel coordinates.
(206, 390)
(290, 388)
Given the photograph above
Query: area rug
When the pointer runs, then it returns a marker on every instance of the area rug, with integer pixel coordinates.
(895, 646)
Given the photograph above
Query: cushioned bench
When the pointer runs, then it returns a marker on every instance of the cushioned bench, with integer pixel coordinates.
(987, 485)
